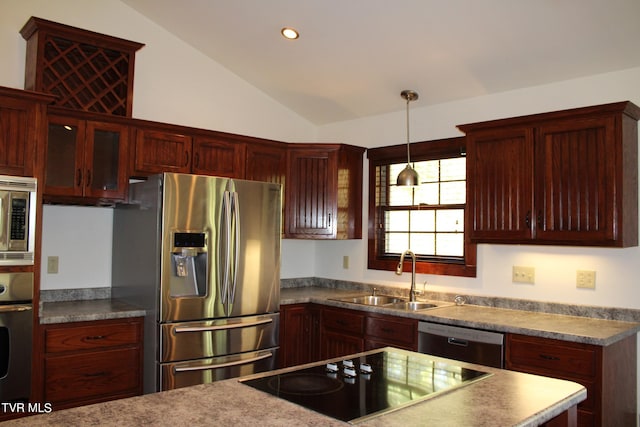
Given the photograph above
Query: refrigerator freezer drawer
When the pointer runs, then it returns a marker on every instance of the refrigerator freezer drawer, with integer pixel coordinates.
(211, 338)
(183, 374)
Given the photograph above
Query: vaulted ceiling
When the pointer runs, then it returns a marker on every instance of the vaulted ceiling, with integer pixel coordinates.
(354, 57)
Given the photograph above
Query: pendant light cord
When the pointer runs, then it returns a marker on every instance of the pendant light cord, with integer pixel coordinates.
(408, 152)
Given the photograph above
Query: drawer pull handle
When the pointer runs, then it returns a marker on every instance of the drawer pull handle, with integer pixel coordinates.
(95, 337)
(547, 357)
(341, 322)
(387, 330)
(96, 374)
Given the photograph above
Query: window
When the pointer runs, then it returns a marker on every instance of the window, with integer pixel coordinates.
(428, 219)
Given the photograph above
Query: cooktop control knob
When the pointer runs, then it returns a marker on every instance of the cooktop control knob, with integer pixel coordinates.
(347, 363)
(332, 367)
(365, 368)
(349, 372)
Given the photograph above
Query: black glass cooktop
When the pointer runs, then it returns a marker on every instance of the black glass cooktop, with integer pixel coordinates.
(366, 385)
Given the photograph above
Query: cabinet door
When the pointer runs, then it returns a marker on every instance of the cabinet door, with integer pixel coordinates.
(105, 160)
(64, 170)
(500, 183)
(158, 151)
(17, 137)
(266, 163)
(576, 180)
(216, 157)
(311, 193)
(85, 159)
(300, 334)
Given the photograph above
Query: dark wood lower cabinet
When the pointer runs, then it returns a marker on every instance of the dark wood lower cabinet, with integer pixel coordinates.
(299, 334)
(90, 362)
(310, 332)
(608, 373)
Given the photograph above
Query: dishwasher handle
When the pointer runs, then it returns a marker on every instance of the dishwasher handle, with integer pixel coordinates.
(458, 342)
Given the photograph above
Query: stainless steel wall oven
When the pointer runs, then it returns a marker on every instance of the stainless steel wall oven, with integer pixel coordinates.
(16, 326)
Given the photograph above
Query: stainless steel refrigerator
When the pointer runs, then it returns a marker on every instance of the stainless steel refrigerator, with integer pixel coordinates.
(202, 255)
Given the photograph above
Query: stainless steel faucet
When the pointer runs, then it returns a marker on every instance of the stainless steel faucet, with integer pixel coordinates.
(412, 291)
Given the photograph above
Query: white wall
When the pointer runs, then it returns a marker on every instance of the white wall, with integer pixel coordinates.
(173, 84)
(616, 269)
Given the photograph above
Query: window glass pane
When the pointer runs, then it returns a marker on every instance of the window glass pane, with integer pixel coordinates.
(428, 171)
(423, 220)
(453, 169)
(396, 243)
(397, 221)
(427, 194)
(450, 219)
(423, 243)
(400, 196)
(450, 244)
(453, 192)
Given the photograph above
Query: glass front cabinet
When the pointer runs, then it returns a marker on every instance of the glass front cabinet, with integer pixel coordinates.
(85, 160)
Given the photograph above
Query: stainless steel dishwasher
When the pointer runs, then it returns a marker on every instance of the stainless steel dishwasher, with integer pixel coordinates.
(468, 345)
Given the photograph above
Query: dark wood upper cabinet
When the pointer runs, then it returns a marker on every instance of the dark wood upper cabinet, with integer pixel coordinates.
(267, 161)
(159, 150)
(215, 156)
(564, 178)
(167, 148)
(22, 115)
(85, 160)
(324, 191)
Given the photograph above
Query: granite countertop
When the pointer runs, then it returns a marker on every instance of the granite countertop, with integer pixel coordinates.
(557, 326)
(87, 310)
(504, 398)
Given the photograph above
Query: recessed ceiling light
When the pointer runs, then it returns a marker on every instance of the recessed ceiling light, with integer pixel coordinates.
(289, 33)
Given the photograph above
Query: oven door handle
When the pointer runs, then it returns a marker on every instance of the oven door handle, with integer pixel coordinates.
(181, 329)
(14, 308)
(222, 365)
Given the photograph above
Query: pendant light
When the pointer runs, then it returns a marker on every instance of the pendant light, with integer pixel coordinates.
(408, 176)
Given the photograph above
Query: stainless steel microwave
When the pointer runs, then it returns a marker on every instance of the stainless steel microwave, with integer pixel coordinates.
(17, 220)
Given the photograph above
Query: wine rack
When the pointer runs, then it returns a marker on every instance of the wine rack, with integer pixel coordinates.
(85, 70)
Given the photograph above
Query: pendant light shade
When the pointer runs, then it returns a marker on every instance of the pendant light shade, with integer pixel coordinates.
(408, 176)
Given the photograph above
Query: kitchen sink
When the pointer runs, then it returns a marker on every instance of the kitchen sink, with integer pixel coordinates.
(390, 302)
(412, 305)
(372, 300)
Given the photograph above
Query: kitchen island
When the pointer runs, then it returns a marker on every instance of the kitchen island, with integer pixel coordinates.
(503, 398)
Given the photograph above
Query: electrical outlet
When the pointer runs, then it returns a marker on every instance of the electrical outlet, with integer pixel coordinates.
(586, 279)
(52, 265)
(345, 262)
(523, 274)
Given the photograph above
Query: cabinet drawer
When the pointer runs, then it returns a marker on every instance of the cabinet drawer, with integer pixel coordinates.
(395, 330)
(91, 337)
(92, 375)
(343, 321)
(558, 358)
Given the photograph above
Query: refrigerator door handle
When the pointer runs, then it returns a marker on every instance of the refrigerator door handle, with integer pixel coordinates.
(223, 365)
(225, 246)
(235, 208)
(181, 329)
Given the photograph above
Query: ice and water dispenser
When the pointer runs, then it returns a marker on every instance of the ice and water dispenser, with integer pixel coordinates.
(189, 264)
